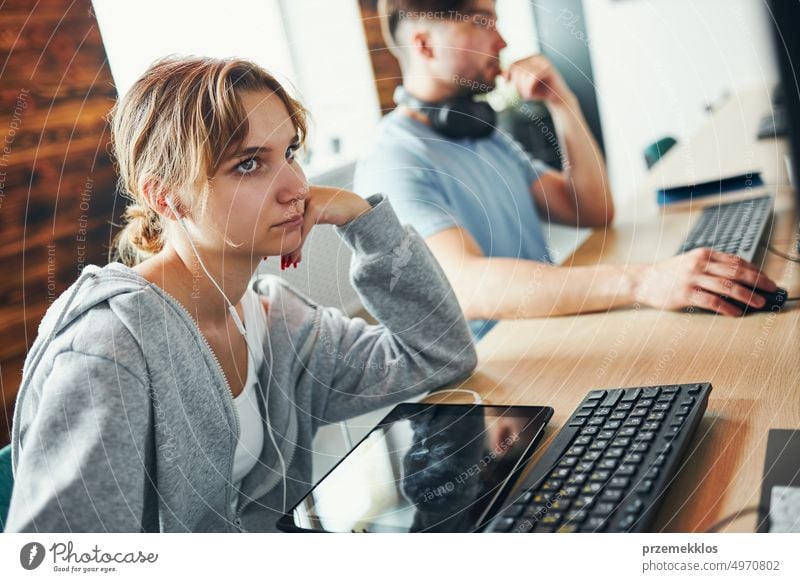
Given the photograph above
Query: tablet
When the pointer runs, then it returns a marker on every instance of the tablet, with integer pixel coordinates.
(424, 468)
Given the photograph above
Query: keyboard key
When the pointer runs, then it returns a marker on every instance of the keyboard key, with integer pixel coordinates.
(678, 420)
(645, 403)
(624, 406)
(582, 502)
(630, 395)
(577, 479)
(645, 485)
(560, 473)
(687, 400)
(621, 442)
(634, 421)
(661, 406)
(619, 482)
(583, 413)
(612, 425)
(613, 494)
(523, 525)
(651, 392)
(614, 453)
(567, 528)
(618, 416)
(666, 398)
(606, 434)
(568, 462)
(626, 469)
(627, 431)
(576, 450)
(590, 430)
(670, 389)
(594, 524)
(684, 410)
(613, 397)
(635, 506)
(535, 512)
(592, 455)
(634, 458)
(577, 422)
(595, 394)
(584, 466)
(646, 436)
(626, 523)
(504, 524)
(604, 411)
(596, 421)
(592, 488)
(570, 491)
(599, 445)
(577, 515)
(560, 504)
(653, 416)
(640, 412)
(604, 509)
(609, 464)
(551, 485)
(639, 448)
(651, 425)
(695, 390)
(552, 518)
(600, 476)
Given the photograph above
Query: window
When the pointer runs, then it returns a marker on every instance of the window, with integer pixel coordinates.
(315, 47)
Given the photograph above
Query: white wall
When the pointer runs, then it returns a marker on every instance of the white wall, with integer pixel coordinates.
(657, 63)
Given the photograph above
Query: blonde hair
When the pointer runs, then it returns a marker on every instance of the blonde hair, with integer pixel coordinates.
(174, 126)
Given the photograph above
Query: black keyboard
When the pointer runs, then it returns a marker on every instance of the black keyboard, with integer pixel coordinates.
(735, 228)
(611, 463)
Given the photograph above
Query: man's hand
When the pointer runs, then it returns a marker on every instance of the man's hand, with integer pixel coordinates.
(535, 77)
(698, 278)
(324, 205)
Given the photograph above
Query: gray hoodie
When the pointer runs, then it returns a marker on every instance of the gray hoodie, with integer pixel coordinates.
(124, 420)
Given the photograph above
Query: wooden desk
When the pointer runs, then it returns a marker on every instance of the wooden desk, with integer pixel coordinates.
(753, 362)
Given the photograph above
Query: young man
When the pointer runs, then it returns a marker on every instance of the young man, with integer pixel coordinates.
(480, 201)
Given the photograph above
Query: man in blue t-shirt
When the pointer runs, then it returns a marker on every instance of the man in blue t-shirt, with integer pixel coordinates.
(479, 201)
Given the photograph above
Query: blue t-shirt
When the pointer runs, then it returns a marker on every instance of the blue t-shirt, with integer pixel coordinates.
(435, 183)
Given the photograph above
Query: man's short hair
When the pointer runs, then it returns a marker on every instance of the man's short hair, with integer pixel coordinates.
(393, 12)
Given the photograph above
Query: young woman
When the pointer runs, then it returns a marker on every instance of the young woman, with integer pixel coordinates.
(165, 394)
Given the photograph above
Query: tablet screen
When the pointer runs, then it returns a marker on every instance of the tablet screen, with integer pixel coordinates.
(424, 468)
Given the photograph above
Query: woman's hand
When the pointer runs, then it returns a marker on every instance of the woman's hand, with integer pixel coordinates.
(325, 205)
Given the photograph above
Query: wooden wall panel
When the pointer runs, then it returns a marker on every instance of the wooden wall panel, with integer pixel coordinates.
(57, 183)
(384, 66)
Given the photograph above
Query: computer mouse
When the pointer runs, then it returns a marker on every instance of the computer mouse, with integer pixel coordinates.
(775, 300)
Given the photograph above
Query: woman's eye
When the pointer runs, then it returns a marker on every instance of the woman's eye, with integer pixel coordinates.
(291, 152)
(248, 166)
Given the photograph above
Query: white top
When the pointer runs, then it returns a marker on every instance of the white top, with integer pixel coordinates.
(251, 428)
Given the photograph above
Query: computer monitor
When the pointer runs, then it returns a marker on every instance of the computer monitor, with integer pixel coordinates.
(785, 16)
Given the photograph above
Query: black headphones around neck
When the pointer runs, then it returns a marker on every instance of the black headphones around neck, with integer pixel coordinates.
(456, 117)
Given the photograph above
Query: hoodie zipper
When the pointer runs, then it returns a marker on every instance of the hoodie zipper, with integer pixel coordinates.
(227, 385)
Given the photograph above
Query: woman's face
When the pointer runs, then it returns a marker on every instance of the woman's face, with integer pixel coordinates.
(257, 195)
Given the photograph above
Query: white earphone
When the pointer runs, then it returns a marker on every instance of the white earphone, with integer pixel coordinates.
(240, 326)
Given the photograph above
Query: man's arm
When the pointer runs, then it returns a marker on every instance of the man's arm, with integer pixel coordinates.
(580, 195)
(504, 288)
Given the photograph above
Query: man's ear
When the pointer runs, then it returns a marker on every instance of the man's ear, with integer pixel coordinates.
(156, 196)
(421, 43)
